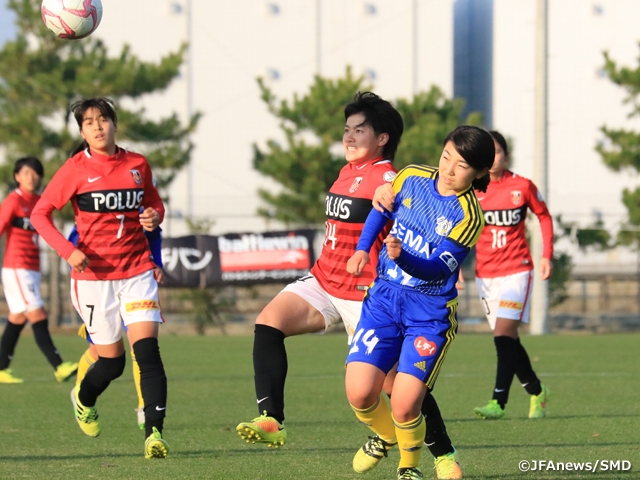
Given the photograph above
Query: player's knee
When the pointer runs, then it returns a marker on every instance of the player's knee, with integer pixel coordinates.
(111, 368)
(147, 353)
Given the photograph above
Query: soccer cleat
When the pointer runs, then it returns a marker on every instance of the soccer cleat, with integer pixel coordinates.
(410, 473)
(65, 371)
(538, 405)
(447, 466)
(141, 417)
(491, 411)
(7, 377)
(263, 429)
(155, 446)
(371, 453)
(87, 417)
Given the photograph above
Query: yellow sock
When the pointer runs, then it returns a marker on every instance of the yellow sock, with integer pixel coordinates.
(410, 439)
(378, 418)
(86, 360)
(136, 379)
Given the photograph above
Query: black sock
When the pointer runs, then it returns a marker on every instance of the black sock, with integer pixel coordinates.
(525, 373)
(98, 378)
(44, 341)
(153, 383)
(270, 368)
(8, 343)
(436, 438)
(507, 350)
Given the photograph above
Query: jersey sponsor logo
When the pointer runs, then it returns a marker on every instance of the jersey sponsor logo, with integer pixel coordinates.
(136, 176)
(421, 366)
(389, 176)
(125, 200)
(516, 197)
(504, 218)
(510, 304)
(141, 305)
(356, 183)
(410, 238)
(443, 226)
(449, 260)
(23, 223)
(426, 348)
(347, 209)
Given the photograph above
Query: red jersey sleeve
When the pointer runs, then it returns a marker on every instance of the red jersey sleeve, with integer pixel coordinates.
(7, 212)
(151, 196)
(538, 206)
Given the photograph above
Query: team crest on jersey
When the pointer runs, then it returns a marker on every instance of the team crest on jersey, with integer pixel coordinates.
(136, 176)
(356, 183)
(424, 347)
(516, 197)
(443, 226)
(389, 176)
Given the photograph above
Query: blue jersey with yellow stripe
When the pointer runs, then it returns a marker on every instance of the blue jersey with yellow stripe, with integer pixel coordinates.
(423, 220)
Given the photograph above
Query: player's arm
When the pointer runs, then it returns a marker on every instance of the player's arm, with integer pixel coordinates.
(7, 212)
(153, 212)
(373, 225)
(538, 206)
(443, 262)
(384, 198)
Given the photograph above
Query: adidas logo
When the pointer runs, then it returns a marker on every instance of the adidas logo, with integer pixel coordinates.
(407, 202)
(421, 365)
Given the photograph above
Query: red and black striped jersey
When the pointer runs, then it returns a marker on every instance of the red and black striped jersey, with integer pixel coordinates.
(22, 240)
(347, 206)
(502, 248)
(107, 195)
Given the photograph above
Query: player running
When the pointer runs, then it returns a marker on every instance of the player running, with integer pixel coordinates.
(504, 276)
(21, 274)
(328, 294)
(409, 313)
(112, 278)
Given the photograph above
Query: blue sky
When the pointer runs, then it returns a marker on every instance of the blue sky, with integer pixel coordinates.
(7, 28)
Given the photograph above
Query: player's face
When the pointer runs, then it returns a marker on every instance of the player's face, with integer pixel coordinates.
(499, 163)
(28, 179)
(361, 144)
(99, 132)
(455, 173)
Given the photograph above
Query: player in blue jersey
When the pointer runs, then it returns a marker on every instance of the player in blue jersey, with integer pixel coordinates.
(90, 356)
(409, 313)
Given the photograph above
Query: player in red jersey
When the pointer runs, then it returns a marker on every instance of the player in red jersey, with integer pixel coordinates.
(328, 294)
(21, 273)
(504, 275)
(112, 279)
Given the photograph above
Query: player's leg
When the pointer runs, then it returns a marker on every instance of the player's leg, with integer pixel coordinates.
(136, 381)
(8, 342)
(88, 358)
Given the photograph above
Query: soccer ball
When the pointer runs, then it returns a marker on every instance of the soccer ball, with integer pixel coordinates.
(71, 19)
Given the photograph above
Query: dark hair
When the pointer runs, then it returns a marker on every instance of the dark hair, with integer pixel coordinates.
(497, 136)
(476, 146)
(31, 162)
(83, 146)
(381, 116)
(104, 105)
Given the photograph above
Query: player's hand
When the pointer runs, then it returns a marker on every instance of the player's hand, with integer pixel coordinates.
(357, 262)
(158, 274)
(78, 261)
(460, 282)
(383, 198)
(545, 268)
(394, 247)
(150, 219)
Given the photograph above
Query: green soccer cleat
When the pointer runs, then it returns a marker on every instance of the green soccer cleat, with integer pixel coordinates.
(263, 429)
(65, 371)
(447, 466)
(141, 417)
(7, 377)
(538, 405)
(87, 417)
(491, 411)
(371, 453)
(155, 446)
(411, 473)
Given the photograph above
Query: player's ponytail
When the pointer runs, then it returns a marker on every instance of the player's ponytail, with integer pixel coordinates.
(83, 146)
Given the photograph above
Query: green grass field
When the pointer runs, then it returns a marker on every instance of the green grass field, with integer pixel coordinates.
(594, 413)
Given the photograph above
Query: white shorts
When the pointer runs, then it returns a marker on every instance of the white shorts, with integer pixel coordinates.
(105, 305)
(22, 289)
(334, 310)
(506, 297)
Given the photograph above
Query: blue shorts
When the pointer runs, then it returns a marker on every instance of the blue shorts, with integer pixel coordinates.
(404, 326)
(82, 332)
